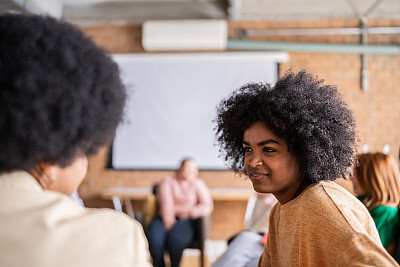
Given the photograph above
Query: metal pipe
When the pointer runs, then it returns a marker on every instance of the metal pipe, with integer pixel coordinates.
(371, 8)
(320, 31)
(364, 56)
(364, 41)
(312, 47)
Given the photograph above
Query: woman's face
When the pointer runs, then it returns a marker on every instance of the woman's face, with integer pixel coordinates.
(189, 170)
(269, 165)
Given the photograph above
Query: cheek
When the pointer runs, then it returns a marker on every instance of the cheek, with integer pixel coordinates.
(292, 169)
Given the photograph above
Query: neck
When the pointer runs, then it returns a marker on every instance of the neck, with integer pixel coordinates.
(304, 184)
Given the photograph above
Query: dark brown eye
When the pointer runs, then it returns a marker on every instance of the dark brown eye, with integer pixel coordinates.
(246, 149)
(268, 150)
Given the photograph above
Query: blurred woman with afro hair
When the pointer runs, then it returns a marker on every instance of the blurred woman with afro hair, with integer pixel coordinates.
(293, 140)
(61, 99)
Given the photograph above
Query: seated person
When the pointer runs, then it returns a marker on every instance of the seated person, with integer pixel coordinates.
(294, 139)
(245, 248)
(61, 100)
(181, 199)
(376, 183)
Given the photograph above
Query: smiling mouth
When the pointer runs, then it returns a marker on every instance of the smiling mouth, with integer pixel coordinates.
(258, 175)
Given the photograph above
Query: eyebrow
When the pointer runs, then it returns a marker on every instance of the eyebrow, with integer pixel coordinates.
(262, 143)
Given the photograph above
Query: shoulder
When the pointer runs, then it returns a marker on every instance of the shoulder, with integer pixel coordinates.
(199, 182)
(336, 208)
(200, 185)
(168, 181)
(114, 221)
(107, 229)
(347, 204)
(102, 220)
(117, 228)
(329, 194)
(111, 217)
(102, 224)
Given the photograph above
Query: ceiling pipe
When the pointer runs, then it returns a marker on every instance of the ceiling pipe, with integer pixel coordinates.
(364, 57)
(364, 41)
(312, 47)
(318, 31)
(364, 49)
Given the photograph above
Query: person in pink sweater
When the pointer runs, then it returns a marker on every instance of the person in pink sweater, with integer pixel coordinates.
(181, 199)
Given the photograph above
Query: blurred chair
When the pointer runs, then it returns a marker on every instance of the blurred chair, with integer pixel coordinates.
(251, 202)
(201, 225)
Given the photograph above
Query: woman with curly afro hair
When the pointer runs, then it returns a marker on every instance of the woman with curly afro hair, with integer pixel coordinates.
(61, 99)
(293, 140)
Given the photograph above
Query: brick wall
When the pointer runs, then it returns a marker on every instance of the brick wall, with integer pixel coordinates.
(377, 111)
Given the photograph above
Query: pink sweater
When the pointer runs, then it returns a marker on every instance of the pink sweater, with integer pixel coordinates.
(184, 199)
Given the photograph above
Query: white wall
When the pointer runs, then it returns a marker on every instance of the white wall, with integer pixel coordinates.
(172, 101)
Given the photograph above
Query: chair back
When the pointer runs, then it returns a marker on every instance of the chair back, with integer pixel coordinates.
(151, 207)
(251, 202)
(150, 210)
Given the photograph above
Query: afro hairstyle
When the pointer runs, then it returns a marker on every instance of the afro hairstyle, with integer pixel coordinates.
(311, 117)
(61, 96)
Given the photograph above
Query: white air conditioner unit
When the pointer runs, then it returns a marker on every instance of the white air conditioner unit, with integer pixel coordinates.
(184, 35)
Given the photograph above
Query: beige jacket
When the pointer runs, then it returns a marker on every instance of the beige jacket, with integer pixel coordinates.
(324, 226)
(48, 229)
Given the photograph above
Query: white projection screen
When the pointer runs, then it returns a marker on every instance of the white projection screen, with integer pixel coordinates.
(171, 106)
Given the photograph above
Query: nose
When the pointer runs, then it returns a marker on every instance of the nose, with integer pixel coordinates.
(255, 160)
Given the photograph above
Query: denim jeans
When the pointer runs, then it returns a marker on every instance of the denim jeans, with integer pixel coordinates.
(174, 241)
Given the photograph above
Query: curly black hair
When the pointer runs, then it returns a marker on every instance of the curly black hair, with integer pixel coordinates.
(315, 122)
(61, 96)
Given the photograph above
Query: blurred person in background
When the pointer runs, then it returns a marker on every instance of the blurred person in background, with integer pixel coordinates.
(376, 184)
(181, 198)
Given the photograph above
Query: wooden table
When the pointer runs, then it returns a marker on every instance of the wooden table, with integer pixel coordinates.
(124, 195)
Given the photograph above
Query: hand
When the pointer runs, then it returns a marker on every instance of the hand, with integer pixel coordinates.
(183, 215)
(168, 224)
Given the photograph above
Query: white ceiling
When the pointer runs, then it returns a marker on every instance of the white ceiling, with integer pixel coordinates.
(136, 11)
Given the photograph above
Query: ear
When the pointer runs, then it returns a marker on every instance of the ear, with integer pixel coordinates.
(45, 174)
